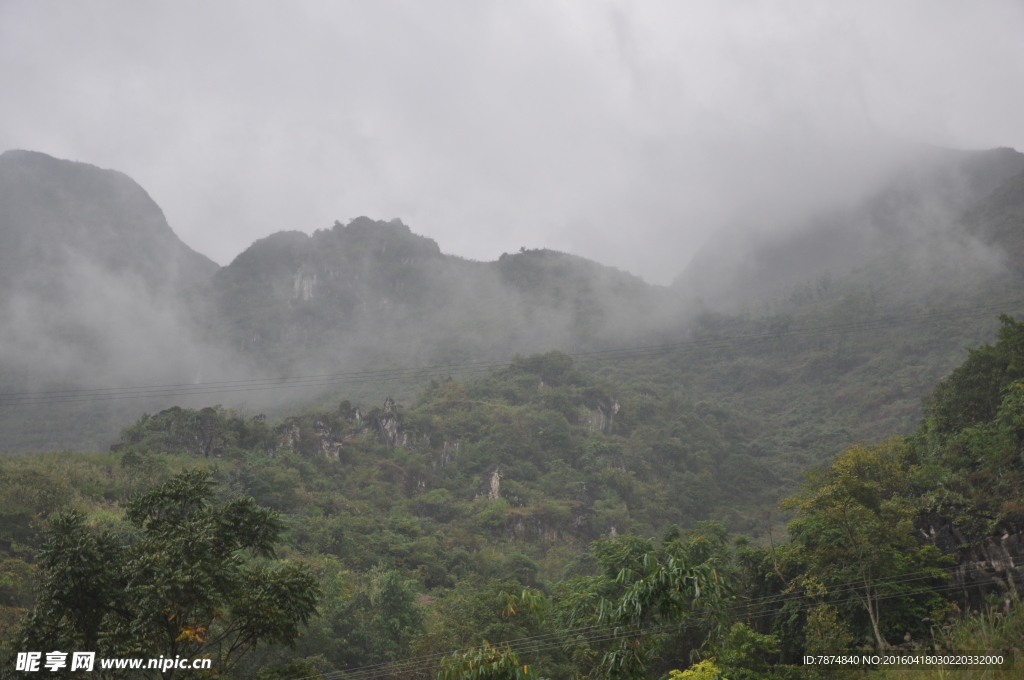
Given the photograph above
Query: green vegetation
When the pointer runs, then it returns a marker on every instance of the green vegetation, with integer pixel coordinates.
(171, 583)
(512, 508)
(501, 526)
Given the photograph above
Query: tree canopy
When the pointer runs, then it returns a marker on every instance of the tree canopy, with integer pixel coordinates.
(174, 582)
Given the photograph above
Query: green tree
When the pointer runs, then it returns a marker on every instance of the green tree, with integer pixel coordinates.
(489, 662)
(378, 622)
(174, 582)
(745, 654)
(705, 670)
(973, 391)
(856, 527)
(646, 588)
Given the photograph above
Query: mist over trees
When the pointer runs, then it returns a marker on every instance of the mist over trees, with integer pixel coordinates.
(98, 292)
(716, 477)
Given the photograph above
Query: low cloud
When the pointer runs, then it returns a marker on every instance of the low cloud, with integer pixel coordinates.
(628, 133)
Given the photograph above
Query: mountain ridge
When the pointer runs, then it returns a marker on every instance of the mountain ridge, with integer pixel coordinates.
(922, 201)
(373, 295)
(57, 210)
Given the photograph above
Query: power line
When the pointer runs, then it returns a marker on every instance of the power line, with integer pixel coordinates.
(179, 390)
(602, 633)
(608, 633)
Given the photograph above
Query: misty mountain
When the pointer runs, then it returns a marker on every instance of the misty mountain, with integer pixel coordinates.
(998, 220)
(59, 216)
(97, 291)
(91, 276)
(373, 290)
(92, 283)
(914, 221)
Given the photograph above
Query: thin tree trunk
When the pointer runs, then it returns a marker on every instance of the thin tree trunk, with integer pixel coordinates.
(873, 615)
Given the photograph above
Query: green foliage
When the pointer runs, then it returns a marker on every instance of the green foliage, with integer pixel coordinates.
(996, 628)
(745, 654)
(497, 662)
(377, 623)
(172, 583)
(643, 591)
(471, 522)
(973, 392)
(828, 634)
(208, 432)
(702, 670)
(856, 526)
(979, 470)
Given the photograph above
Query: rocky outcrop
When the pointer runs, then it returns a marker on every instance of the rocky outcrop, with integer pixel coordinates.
(304, 284)
(448, 451)
(387, 424)
(495, 487)
(994, 565)
(291, 435)
(531, 524)
(602, 416)
(490, 484)
(324, 443)
(330, 447)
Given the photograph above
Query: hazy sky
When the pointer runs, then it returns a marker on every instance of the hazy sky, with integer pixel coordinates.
(627, 132)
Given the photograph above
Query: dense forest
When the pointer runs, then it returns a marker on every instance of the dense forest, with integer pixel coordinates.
(538, 521)
(359, 456)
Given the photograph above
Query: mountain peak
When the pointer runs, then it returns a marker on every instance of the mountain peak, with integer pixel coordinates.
(64, 212)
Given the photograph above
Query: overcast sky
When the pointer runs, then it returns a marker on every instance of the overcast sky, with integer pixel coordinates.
(627, 132)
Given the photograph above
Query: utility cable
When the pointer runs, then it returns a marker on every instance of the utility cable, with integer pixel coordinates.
(600, 633)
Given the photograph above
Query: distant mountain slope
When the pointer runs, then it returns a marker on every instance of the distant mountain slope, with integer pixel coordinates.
(55, 214)
(917, 209)
(89, 300)
(374, 289)
(999, 220)
(835, 358)
(91, 284)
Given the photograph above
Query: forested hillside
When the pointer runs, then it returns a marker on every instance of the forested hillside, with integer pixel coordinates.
(360, 450)
(915, 213)
(507, 507)
(374, 296)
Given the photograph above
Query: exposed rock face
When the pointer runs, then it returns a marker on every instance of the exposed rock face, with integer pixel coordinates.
(330, 448)
(495, 490)
(290, 435)
(490, 484)
(602, 416)
(325, 442)
(387, 424)
(993, 566)
(524, 525)
(448, 451)
(305, 285)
